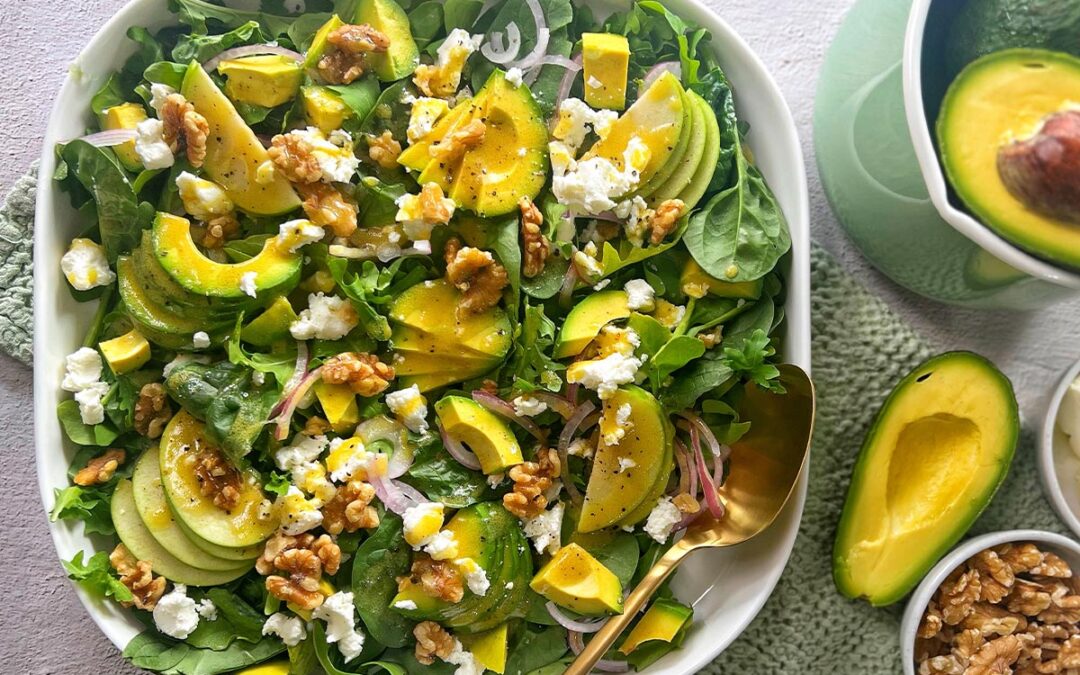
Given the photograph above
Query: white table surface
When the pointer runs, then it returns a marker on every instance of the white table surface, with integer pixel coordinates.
(44, 629)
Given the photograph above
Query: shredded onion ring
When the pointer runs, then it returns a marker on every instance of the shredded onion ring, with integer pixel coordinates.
(673, 67)
(572, 625)
(463, 455)
(573, 67)
(562, 407)
(395, 495)
(250, 50)
(563, 447)
(495, 50)
(504, 409)
(284, 419)
(712, 499)
(543, 37)
(108, 139)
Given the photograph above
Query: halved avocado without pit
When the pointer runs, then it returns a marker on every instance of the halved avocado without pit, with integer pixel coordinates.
(1009, 135)
(936, 454)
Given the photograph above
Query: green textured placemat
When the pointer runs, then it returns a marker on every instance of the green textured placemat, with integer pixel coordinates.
(860, 350)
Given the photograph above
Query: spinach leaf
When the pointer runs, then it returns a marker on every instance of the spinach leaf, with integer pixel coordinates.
(96, 576)
(716, 90)
(376, 566)
(278, 364)
(167, 73)
(196, 13)
(657, 35)
(619, 554)
(536, 649)
(149, 50)
(461, 14)
(302, 658)
(614, 259)
(741, 233)
(120, 217)
(83, 434)
(360, 96)
(427, 22)
(202, 48)
(678, 352)
(236, 620)
(110, 95)
(547, 284)
(224, 397)
(360, 289)
(390, 113)
(530, 361)
(759, 316)
(153, 651)
(88, 504)
(700, 377)
(651, 332)
(327, 660)
(302, 31)
(439, 476)
(406, 658)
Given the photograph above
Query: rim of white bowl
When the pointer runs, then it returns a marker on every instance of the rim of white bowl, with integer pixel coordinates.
(930, 583)
(734, 48)
(1051, 481)
(934, 176)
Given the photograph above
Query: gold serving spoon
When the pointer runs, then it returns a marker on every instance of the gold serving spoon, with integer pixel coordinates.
(765, 466)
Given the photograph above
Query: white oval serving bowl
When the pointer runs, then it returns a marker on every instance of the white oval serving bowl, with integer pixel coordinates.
(728, 588)
(1059, 466)
(1063, 546)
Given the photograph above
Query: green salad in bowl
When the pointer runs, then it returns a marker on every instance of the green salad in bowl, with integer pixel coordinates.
(421, 330)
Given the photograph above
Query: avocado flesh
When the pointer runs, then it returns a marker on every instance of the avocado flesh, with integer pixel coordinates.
(137, 538)
(574, 579)
(662, 622)
(587, 319)
(937, 452)
(1001, 97)
(401, 58)
(485, 433)
(691, 158)
(986, 26)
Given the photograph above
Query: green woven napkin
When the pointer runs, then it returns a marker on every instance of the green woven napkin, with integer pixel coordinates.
(860, 351)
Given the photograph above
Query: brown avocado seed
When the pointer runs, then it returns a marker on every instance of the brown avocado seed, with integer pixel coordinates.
(1043, 171)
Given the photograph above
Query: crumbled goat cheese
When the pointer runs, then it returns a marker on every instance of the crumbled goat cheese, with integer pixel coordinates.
(85, 265)
(346, 458)
(602, 285)
(529, 406)
(327, 317)
(289, 628)
(639, 295)
(668, 314)
(625, 464)
(334, 154)
(420, 524)
(299, 233)
(443, 546)
(339, 613)
(200, 340)
(475, 576)
(581, 448)
(158, 94)
(514, 77)
(304, 449)
(410, 407)
(545, 530)
(604, 376)
(258, 378)
(150, 145)
(176, 615)
(424, 114)
(635, 212)
(248, 285)
(203, 199)
(587, 263)
(614, 427)
(575, 120)
(662, 520)
(466, 662)
(411, 216)
(407, 605)
(297, 513)
(83, 377)
(207, 609)
(90, 408)
(590, 186)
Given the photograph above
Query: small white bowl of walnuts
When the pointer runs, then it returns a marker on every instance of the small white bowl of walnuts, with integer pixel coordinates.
(1004, 602)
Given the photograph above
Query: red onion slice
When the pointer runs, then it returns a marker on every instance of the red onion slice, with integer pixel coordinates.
(498, 52)
(543, 37)
(250, 50)
(673, 67)
(571, 624)
(395, 495)
(109, 139)
(577, 645)
(463, 455)
(504, 409)
(712, 499)
(566, 291)
(577, 642)
(563, 447)
(284, 418)
(562, 407)
(705, 432)
(299, 370)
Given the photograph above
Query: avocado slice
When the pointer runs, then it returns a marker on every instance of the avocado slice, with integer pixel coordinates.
(126, 353)
(606, 59)
(484, 432)
(703, 175)
(267, 80)
(157, 516)
(276, 267)
(238, 528)
(985, 26)
(937, 452)
(587, 318)
(490, 647)
(323, 108)
(694, 280)
(661, 119)
(662, 622)
(574, 579)
(615, 490)
(137, 538)
(1004, 96)
(425, 322)
(401, 58)
(233, 151)
(272, 326)
(124, 116)
(338, 402)
(691, 158)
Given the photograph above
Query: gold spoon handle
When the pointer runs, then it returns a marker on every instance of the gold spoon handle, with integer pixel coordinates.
(633, 604)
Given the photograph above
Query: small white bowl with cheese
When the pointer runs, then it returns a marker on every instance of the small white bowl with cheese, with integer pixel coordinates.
(1059, 450)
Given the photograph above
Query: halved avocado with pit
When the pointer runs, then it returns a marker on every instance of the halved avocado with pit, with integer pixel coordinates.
(1009, 136)
(276, 267)
(936, 454)
(238, 527)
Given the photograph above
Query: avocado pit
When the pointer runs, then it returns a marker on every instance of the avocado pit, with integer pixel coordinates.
(1043, 171)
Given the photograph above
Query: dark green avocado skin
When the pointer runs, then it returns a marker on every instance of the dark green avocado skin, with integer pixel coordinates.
(986, 26)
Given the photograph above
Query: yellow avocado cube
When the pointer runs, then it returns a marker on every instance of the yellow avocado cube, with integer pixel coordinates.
(275, 668)
(323, 109)
(125, 116)
(606, 58)
(574, 579)
(268, 81)
(489, 647)
(126, 353)
(338, 401)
